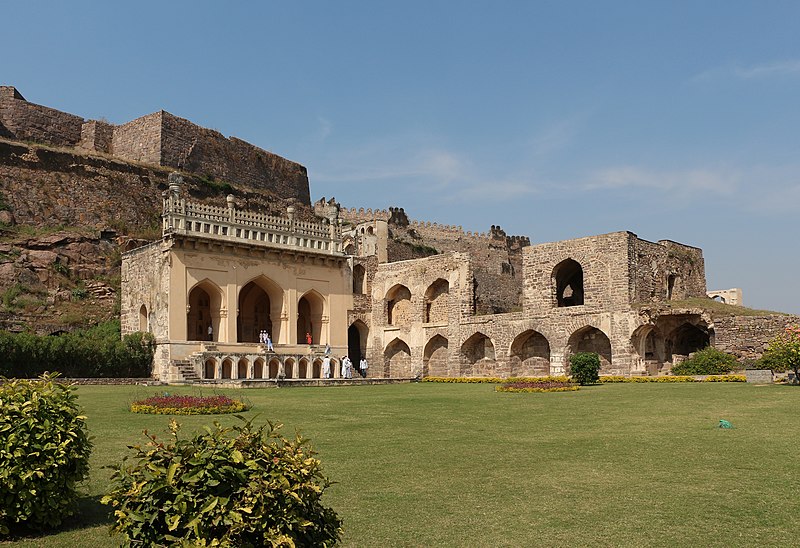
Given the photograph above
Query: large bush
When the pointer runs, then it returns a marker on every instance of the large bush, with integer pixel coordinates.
(708, 361)
(783, 352)
(95, 352)
(237, 486)
(44, 451)
(585, 367)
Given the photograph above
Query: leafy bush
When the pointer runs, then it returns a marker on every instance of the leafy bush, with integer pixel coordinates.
(234, 486)
(783, 352)
(708, 361)
(96, 352)
(585, 367)
(607, 379)
(44, 451)
(188, 405)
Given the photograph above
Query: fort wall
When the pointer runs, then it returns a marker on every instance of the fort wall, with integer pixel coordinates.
(161, 139)
(747, 337)
(665, 271)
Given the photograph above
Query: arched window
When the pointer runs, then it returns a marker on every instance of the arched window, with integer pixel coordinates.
(359, 275)
(398, 306)
(143, 324)
(436, 298)
(568, 281)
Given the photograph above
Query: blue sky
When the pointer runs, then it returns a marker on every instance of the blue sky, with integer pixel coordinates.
(674, 120)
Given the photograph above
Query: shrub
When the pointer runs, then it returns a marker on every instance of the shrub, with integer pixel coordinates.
(188, 405)
(95, 352)
(783, 352)
(585, 367)
(708, 361)
(44, 451)
(233, 486)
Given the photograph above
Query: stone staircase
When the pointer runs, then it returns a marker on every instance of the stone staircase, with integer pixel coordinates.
(183, 370)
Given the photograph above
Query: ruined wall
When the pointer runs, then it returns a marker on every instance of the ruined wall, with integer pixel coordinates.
(96, 135)
(139, 140)
(747, 337)
(665, 271)
(24, 121)
(140, 269)
(207, 152)
(603, 259)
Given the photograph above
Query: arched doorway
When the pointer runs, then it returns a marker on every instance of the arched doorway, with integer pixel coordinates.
(274, 368)
(310, 308)
(357, 341)
(288, 368)
(205, 301)
(302, 368)
(397, 359)
(530, 355)
(477, 356)
(685, 339)
(434, 359)
(591, 339)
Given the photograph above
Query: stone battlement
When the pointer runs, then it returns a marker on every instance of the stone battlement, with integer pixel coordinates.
(159, 138)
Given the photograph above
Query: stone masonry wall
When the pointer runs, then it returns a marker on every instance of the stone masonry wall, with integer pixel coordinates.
(24, 121)
(654, 264)
(139, 140)
(207, 152)
(747, 337)
(604, 260)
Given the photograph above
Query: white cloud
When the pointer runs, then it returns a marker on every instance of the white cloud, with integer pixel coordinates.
(790, 67)
(683, 181)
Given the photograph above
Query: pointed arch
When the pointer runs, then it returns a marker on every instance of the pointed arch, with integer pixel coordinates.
(434, 357)
(529, 355)
(398, 306)
(397, 359)
(227, 368)
(359, 279)
(316, 369)
(243, 369)
(288, 368)
(205, 301)
(687, 338)
(477, 356)
(310, 309)
(302, 368)
(210, 369)
(258, 368)
(357, 336)
(436, 301)
(591, 339)
(274, 368)
(567, 280)
(649, 348)
(260, 303)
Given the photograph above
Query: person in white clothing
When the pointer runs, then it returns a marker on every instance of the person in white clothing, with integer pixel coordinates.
(326, 367)
(268, 341)
(362, 366)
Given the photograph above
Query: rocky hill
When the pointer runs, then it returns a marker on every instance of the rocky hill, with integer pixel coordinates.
(66, 216)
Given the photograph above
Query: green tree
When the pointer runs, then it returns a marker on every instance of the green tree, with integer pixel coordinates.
(783, 352)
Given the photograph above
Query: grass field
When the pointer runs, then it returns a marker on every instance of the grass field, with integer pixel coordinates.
(461, 465)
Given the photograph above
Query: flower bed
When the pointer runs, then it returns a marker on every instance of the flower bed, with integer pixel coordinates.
(494, 380)
(188, 405)
(538, 386)
(673, 378)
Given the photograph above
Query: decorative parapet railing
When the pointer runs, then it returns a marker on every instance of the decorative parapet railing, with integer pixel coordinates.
(234, 225)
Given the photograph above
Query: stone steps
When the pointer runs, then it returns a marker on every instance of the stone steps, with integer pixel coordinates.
(185, 371)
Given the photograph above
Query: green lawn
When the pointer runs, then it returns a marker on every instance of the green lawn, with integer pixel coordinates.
(462, 465)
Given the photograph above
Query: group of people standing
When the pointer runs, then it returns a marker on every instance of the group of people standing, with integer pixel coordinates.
(347, 367)
(264, 338)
